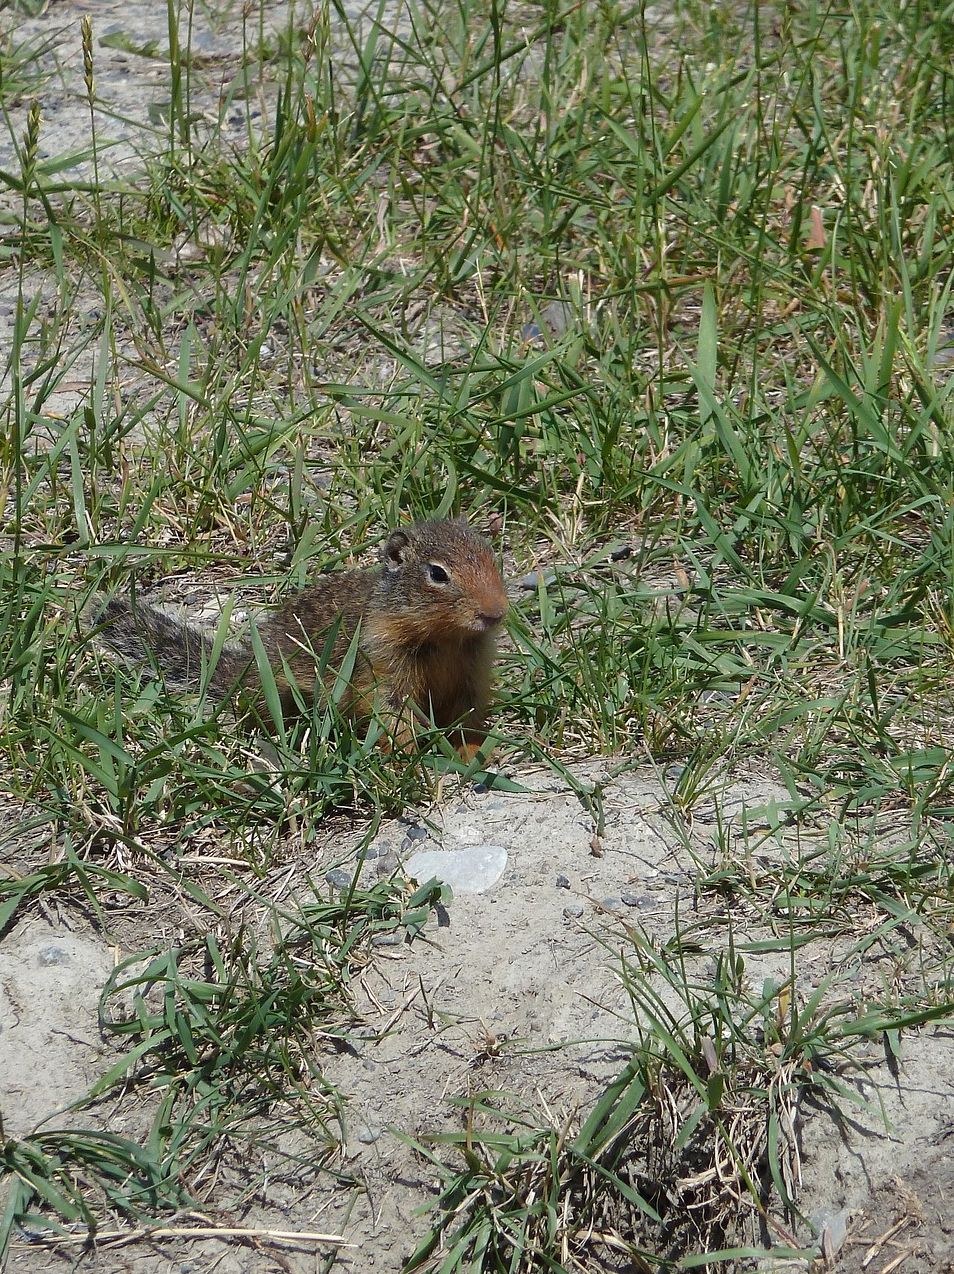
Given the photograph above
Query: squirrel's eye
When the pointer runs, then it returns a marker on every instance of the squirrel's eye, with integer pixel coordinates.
(437, 574)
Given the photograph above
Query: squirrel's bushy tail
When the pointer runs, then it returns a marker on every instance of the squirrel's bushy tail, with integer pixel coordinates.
(184, 654)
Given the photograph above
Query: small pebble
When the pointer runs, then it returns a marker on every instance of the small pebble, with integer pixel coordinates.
(54, 955)
(562, 882)
(559, 316)
(717, 696)
(621, 552)
(534, 579)
(832, 1230)
(573, 910)
(945, 349)
(368, 1134)
(612, 903)
(416, 833)
(338, 878)
(643, 901)
(410, 841)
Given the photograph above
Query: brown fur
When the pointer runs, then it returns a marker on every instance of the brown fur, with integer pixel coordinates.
(425, 619)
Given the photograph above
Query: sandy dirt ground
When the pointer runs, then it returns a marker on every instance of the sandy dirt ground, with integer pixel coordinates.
(516, 989)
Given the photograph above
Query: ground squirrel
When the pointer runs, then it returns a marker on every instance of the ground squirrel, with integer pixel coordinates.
(425, 619)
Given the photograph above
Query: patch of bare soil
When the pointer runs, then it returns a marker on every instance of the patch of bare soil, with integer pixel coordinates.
(907, 1223)
(515, 989)
(131, 75)
(50, 1051)
(887, 1166)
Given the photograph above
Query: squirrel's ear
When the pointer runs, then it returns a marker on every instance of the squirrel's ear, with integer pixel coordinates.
(395, 552)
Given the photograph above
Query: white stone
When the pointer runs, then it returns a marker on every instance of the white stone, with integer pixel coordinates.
(467, 871)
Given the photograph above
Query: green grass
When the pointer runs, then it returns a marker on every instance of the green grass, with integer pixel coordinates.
(669, 1164)
(308, 318)
(224, 1039)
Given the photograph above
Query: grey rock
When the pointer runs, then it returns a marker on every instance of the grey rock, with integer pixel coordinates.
(387, 864)
(831, 1226)
(532, 581)
(573, 910)
(557, 317)
(53, 954)
(612, 903)
(467, 871)
(642, 901)
(338, 878)
(945, 348)
(562, 882)
(414, 835)
(717, 696)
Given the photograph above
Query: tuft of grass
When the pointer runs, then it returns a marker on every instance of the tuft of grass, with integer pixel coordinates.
(688, 1156)
(74, 1175)
(223, 1041)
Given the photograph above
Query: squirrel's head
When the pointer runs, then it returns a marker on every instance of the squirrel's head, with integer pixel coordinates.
(443, 579)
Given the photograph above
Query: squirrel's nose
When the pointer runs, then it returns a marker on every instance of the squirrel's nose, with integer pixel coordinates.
(493, 612)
